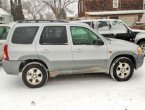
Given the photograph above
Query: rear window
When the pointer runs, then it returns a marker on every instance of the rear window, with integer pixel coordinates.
(24, 35)
(4, 32)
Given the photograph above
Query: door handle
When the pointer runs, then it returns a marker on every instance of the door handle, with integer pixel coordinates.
(79, 50)
(44, 51)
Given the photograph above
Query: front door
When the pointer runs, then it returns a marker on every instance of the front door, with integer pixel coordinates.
(89, 50)
(103, 27)
(120, 31)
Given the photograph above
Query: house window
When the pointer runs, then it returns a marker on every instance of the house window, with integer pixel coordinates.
(114, 17)
(82, 6)
(1, 20)
(115, 3)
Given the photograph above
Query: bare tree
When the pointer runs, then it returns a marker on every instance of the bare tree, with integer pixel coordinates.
(59, 7)
(16, 10)
(34, 8)
(4, 4)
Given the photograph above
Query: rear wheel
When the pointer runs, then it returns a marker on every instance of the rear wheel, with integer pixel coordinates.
(142, 46)
(34, 75)
(122, 69)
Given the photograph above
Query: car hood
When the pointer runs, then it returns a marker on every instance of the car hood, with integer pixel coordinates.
(122, 45)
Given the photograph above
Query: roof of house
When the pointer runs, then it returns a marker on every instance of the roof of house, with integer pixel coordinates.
(4, 13)
(115, 12)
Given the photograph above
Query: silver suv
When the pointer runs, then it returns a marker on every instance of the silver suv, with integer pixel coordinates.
(41, 50)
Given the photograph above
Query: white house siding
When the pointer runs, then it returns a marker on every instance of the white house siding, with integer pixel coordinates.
(128, 16)
(5, 17)
(129, 19)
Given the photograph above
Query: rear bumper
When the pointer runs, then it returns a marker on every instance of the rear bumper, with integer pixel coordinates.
(139, 61)
(11, 67)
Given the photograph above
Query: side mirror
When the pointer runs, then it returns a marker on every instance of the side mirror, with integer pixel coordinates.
(98, 42)
(129, 31)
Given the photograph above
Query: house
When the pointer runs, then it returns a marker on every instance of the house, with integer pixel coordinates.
(130, 11)
(5, 17)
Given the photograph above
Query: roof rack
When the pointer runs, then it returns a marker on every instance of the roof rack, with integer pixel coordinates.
(30, 21)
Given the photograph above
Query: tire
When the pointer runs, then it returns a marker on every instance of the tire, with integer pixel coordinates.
(34, 75)
(142, 46)
(122, 69)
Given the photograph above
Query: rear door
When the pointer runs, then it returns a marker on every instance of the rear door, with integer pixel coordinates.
(53, 47)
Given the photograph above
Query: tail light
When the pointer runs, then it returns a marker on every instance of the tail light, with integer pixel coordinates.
(6, 57)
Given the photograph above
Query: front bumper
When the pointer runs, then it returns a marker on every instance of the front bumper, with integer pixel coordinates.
(11, 67)
(139, 61)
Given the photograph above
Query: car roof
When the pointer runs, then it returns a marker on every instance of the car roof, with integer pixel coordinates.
(41, 23)
(99, 20)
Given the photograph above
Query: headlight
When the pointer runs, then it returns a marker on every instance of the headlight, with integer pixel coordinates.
(139, 51)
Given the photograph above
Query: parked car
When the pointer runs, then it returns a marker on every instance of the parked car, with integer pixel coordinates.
(4, 29)
(114, 28)
(41, 50)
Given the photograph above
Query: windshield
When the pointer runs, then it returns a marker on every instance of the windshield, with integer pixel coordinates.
(4, 32)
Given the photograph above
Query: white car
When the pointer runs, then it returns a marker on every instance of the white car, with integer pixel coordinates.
(114, 28)
(4, 30)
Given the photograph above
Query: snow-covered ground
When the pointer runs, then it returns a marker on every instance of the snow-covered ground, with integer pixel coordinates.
(74, 92)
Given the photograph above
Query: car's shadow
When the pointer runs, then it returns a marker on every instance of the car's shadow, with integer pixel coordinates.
(70, 79)
(79, 77)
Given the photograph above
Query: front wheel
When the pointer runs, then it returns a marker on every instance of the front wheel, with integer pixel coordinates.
(122, 69)
(34, 75)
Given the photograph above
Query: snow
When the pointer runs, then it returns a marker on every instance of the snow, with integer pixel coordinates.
(116, 12)
(3, 12)
(74, 92)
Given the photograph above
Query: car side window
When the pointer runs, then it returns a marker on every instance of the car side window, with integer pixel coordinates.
(90, 23)
(24, 35)
(118, 27)
(83, 36)
(103, 26)
(54, 35)
(4, 32)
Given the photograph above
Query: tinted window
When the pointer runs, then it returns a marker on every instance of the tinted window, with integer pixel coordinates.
(3, 32)
(81, 36)
(54, 35)
(24, 35)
